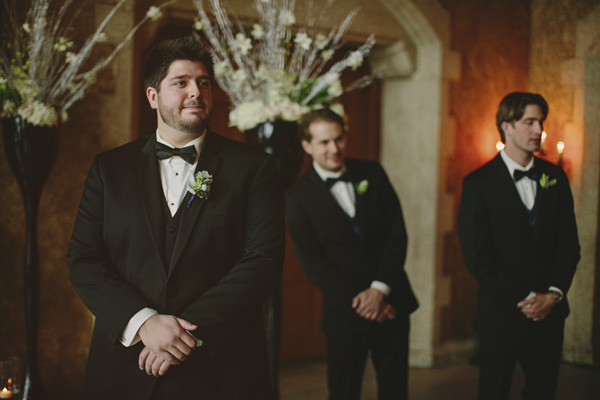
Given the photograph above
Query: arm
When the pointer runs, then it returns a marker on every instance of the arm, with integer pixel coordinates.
(477, 243)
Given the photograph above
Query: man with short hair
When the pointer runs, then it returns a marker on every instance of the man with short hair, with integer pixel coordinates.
(518, 237)
(349, 236)
(177, 243)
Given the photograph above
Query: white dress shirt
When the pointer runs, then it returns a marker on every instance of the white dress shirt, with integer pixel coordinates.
(344, 195)
(527, 189)
(175, 173)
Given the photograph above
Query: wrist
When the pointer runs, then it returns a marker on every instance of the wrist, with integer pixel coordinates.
(556, 296)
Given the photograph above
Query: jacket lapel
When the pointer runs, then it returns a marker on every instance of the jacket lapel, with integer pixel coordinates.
(209, 161)
(152, 195)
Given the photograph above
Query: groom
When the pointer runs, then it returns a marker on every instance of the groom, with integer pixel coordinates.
(176, 280)
(518, 237)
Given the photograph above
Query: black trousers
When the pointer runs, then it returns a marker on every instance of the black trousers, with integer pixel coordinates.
(347, 356)
(537, 346)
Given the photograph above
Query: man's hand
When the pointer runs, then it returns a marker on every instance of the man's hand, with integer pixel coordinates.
(166, 337)
(539, 306)
(369, 304)
(153, 364)
(388, 313)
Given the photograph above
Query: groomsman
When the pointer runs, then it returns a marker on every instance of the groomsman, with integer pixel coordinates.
(349, 236)
(519, 239)
(176, 274)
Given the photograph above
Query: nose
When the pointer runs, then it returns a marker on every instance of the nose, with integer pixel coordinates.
(193, 90)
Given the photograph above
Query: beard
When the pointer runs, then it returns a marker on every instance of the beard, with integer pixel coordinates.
(174, 119)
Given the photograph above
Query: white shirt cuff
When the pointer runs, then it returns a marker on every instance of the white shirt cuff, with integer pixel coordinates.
(382, 287)
(130, 336)
(554, 288)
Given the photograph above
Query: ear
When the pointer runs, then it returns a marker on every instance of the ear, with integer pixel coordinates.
(307, 147)
(152, 96)
(505, 125)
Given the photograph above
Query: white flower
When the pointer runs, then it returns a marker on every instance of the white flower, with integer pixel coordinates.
(154, 13)
(335, 89)
(303, 41)
(38, 113)
(70, 57)
(101, 37)
(63, 44)
(222, 68)
(327, 54)
(338, 108)
(243, 43)
(239, 78)
(321, 41)
(198, 24)
(258, 32)
(26, 27)
(247, 115)
(292, 111)
(355, 60)
(288, 18)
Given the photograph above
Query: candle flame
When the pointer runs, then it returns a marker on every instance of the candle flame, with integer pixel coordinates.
(543, 136)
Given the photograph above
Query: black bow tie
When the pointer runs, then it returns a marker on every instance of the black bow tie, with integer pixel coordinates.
(531, 174)
(188, 153)
(342, 178)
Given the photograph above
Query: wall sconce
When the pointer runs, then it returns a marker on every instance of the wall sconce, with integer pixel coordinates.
(542, 143)
(560, 147)
(499, 145)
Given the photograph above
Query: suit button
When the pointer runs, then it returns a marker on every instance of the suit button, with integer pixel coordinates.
(172, 229)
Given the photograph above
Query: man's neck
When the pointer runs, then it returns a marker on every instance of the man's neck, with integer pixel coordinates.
(177, 138)
(523, 158)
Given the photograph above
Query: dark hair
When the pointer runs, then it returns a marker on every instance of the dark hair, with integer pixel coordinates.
(325, 115)
(165, 52)
(512, 108)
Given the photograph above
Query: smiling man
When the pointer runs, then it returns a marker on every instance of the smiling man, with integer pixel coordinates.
(176, 280)
(519, 239)
(348, 231)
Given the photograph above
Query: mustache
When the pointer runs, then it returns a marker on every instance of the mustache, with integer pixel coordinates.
(194, 103)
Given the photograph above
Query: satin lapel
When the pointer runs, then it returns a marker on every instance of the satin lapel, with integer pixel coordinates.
(209, 161)
(152, 195)
(359, 214)
(508, 190)
(322, 198)
(541, 202)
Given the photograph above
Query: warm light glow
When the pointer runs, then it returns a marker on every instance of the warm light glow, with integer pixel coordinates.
(560, 146)
(543, 136)
(499, 145)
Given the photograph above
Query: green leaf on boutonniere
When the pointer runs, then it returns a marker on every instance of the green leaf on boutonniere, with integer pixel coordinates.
(362, 186)
(545, 181)
(199, 185)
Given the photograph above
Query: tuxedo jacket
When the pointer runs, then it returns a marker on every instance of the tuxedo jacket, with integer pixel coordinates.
(340, 261)
(226, 259)
(508, 257)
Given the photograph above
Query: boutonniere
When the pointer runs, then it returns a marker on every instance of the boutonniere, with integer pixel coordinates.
(199, 186)
(545, 181)
(362, 186)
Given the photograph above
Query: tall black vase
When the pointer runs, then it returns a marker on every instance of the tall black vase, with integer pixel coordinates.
(31, 152)
(280, 139)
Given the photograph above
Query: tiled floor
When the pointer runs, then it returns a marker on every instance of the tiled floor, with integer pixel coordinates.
(306, 381)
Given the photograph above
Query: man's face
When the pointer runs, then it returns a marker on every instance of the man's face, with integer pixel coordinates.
(525, 135)
(184, 102)
(327, 146)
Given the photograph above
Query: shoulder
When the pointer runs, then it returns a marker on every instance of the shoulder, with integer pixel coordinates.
(487, 171)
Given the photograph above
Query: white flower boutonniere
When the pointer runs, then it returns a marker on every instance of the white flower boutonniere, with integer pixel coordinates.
(545, 181)
(362, 186)
(199, 186)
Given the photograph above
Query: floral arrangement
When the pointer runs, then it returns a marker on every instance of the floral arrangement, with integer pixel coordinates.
(273, 72)
(41, 73)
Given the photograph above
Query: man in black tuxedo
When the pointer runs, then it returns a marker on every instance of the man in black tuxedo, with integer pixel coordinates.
(176, 280)
(519, 239)
(349, 236)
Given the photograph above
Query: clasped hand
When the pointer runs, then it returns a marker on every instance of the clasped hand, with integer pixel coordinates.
(167, 342)
(539, 307)
(370, 304)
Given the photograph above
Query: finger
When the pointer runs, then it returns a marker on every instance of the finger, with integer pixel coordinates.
(164, 368)
(156, 366)
(149, 361)
(142, 358)
(355, 302)
(186, 324)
